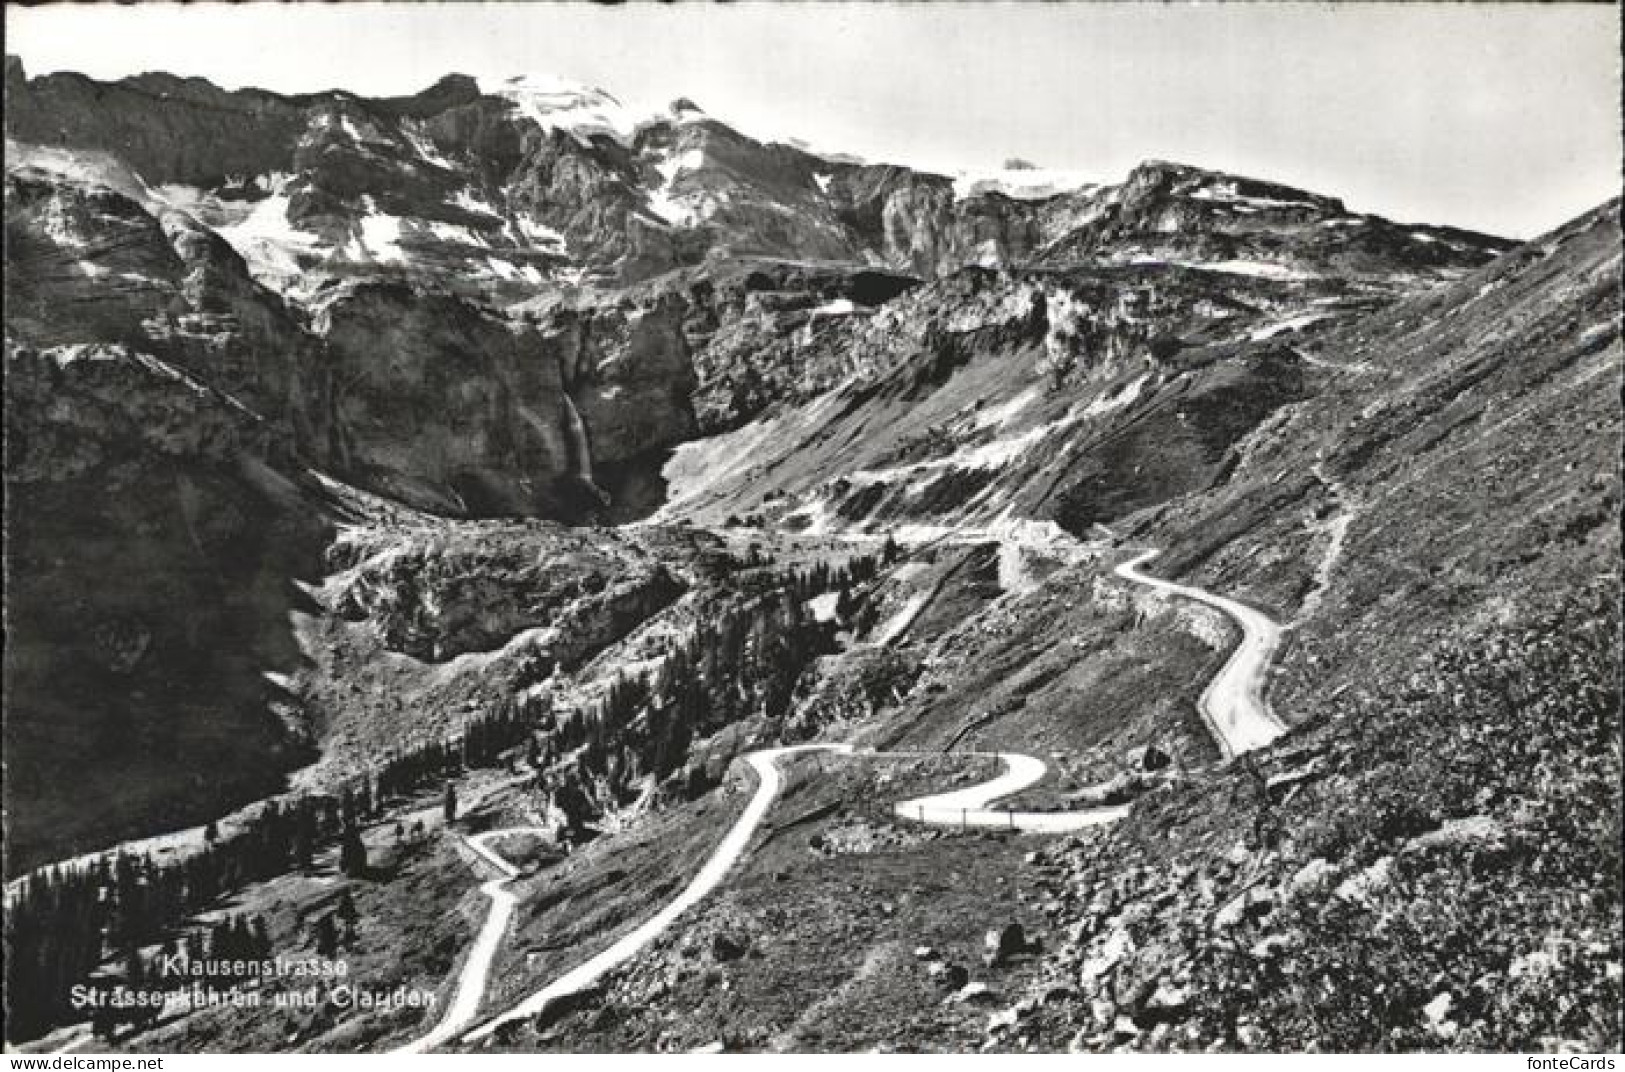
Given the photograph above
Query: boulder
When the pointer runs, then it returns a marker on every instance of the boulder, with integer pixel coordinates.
(1311, 877)
(726, 947)
(1250, 1036)
(1148, 758)
(1364, 887)
(1436, 1014)
(1005, 942)
(973, 994)
(949, 976)
(1477, 831)
(1246, 906)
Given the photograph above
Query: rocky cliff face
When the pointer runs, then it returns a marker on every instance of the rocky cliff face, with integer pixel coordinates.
(152, 548)
(322, 257)
(318, 407)
(436, 595)
(402, 387)
(518, 299)
(505, 186)
(436, 403)
(1073, 396)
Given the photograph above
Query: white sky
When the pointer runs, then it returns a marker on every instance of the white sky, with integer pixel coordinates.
(1501, 117)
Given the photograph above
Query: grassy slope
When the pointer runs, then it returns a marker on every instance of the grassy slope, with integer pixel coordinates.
(1454, 772)
(1462, 665)
(809, 945)
(1458, 688)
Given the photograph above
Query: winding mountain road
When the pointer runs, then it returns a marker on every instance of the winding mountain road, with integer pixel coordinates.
(1233, 702)
(629, 945)
(465, 1005)
(961, 807)
(968, 806)
(1233, 705)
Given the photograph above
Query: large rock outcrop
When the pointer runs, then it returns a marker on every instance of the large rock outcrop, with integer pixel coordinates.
(152, 547)
(442, 405)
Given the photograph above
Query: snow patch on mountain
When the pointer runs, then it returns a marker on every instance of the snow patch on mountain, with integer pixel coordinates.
(58, 225)
(380, 235)
(1001, 415)
(581, 111)
(506, 269)
(1257, 269)
(1260, 269)
(1292, 324)
(838, 307)
(538, 232)
(992, 455)
(1109, 402)
(268, 241)
(424, 147)
(362, 136)
(664, 199)
(469, 201)
(1022, 183)
(86, 167)
(451, 232)
(1227, 192)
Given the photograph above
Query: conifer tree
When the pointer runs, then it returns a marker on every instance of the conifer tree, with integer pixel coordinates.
(327, 936)
(262, 938)
(353, 853)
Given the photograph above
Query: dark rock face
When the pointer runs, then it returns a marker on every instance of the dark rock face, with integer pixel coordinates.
(83, 263)
(453, 305)
(408, 231)
(760, 333)
(169, 129)
(1075, 396)
(628, 370)
(152, 549)
(440, 405)
(414, 392)
(87, 264)
(435, 599)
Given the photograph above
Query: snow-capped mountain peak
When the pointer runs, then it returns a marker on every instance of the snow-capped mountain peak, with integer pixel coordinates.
(1022, 181)
(686, 111)
(556, 103)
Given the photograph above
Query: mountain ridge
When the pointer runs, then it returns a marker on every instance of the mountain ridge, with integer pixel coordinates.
(441, 444)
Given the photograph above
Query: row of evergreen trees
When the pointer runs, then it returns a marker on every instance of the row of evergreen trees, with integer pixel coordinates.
(230, 938)
(483, 740)
(741, 661)
(63, 922)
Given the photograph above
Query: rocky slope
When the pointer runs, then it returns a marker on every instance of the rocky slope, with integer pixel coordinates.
(269, 239)
(511, 183)
(151, 552)
(318, 410)
(1428, 856)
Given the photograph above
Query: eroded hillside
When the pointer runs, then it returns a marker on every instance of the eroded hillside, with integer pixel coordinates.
(483, 479)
